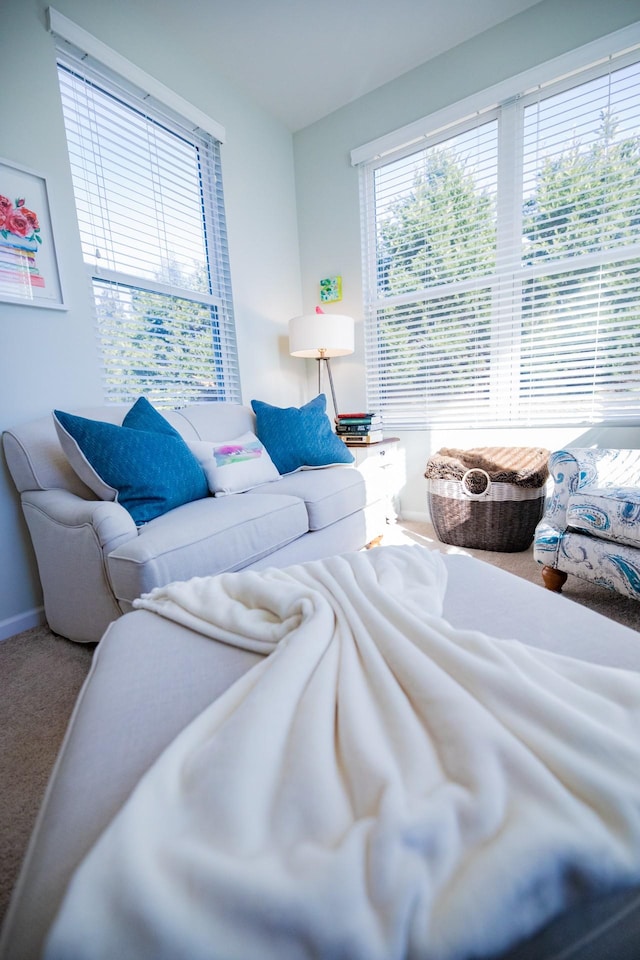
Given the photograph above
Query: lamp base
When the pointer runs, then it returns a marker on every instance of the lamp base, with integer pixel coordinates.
(333, 392)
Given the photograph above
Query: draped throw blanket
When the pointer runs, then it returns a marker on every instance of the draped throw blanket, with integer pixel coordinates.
(380, 786)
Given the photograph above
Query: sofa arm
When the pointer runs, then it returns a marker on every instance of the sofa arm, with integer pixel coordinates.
(111, 523)
(72, 538)
(565, 467)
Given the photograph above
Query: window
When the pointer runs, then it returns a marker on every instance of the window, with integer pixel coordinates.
(150, 208)
(502, 261)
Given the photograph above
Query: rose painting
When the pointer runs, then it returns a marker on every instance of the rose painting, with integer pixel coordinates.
(18, 220)
(19, 239)
(28, 268)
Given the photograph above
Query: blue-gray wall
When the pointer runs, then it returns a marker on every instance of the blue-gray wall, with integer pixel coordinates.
(328, 189)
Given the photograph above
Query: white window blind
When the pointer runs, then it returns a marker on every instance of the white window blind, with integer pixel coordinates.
(502, 262)
(150, 207)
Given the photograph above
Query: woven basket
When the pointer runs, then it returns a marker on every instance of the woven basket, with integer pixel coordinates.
(502, 517)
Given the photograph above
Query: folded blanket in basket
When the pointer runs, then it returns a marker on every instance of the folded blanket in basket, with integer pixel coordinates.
(522, 466)
(381, 786)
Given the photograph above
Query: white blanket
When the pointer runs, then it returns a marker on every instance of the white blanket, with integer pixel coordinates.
(380, 786)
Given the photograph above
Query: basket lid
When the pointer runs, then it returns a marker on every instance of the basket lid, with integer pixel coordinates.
(522, 466)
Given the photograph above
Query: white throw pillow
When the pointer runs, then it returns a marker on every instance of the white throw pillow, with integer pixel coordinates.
(234, 466)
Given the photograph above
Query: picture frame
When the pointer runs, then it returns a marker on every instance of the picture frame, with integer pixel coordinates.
(29, 272)
(331, 289)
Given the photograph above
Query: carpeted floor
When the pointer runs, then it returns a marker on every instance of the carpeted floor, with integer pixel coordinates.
(41, 675)
(610, 604)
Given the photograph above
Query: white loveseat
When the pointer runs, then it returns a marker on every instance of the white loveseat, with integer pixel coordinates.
(93, 560)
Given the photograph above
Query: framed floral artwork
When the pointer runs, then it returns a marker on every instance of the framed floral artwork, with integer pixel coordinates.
(29, 271)
(331, 289)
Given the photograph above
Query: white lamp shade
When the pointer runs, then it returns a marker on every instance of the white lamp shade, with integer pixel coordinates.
(321, 335)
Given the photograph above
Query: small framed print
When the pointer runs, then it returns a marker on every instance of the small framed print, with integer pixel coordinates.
(28, 262)
(331, 289)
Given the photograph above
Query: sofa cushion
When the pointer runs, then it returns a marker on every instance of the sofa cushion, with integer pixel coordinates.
(299, 437)
(234, 466)
(328, 495)
(609, 513)
(144, 464)
(204, 538)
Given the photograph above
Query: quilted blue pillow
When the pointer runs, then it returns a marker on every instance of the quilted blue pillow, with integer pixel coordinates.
(145, 464)
(144, 416)
(298, 437)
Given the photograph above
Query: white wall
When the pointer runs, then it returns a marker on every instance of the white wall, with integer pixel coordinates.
(328, 194)
(49, 358)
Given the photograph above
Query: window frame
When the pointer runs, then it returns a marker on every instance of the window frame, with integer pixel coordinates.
(508, 102)
(131, 89)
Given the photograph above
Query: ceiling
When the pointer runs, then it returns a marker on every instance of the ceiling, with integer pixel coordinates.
(303, 59)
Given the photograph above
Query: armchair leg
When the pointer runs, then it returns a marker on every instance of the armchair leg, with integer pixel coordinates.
(553, 579)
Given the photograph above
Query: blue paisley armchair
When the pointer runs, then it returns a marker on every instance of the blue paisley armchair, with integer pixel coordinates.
(591, 523)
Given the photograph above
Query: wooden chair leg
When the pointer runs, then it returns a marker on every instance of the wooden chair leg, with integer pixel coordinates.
(553, 579)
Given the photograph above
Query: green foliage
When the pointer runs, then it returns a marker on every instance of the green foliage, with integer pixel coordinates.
(161, 346)
(443, 229)
(584, 201)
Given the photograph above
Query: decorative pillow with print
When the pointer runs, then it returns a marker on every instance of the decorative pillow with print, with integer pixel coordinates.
(234, 466)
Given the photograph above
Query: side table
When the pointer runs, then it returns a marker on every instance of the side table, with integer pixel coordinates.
(379, 464)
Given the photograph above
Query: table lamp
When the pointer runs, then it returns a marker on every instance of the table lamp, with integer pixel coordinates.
(320, 336)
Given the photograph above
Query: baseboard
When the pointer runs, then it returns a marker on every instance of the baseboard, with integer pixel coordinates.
(23, 621)
(415, 516)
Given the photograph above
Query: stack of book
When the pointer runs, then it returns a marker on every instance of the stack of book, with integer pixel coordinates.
(359, 427)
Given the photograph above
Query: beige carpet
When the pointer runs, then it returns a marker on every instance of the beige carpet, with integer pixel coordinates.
(42, 675)
(606, 602)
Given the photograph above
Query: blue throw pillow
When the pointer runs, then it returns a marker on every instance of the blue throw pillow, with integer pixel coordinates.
(144, 464)
(144, 416)
(299, 437)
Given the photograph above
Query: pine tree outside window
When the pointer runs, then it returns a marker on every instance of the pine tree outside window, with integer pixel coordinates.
(150, 206)
(502, 261)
